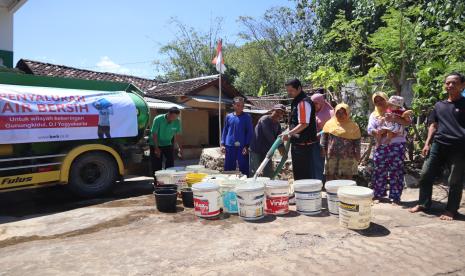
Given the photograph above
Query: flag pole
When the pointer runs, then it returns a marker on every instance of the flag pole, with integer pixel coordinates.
(219, 106)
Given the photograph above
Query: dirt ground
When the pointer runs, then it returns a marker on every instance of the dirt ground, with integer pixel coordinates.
(48, 232)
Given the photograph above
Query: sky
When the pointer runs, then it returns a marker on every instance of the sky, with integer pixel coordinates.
(121, 36)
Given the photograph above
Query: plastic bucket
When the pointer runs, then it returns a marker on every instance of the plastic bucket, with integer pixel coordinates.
(206, 199)
(277, 197)
(331, 193)
(187, 198)
(166, 200)
(179, 178)
(250, 200)
(164, 177)
(228, 195)
(308, 196)
(355, 205)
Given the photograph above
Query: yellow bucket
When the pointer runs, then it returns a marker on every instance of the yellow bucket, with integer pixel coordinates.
(192, 178)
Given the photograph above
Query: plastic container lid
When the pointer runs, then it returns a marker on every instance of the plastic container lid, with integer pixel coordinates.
(277, 184)
(313, 184)
(164, 172)
(179, 173)
(176, 169)
(259, 179)
(355, 192)
(205, 186)
(250, 187)
(333, 185)
(231, 183)
(195, 167)
(208, 171)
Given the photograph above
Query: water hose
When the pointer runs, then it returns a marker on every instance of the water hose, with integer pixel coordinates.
(269, 156)
(278, 169)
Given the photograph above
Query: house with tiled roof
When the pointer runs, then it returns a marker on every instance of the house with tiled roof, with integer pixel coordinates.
(200, 120)
(53, 70)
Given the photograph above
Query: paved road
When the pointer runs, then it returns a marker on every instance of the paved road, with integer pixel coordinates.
(124, 235)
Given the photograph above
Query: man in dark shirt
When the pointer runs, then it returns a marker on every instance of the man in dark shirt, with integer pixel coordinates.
(266, 131)
(445, 145)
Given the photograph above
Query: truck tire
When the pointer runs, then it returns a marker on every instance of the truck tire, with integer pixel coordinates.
(92, 174)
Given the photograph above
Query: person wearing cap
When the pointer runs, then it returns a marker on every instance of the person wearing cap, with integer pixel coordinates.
(236, 137)
(165, 132)
(302, 131)
(266, 132)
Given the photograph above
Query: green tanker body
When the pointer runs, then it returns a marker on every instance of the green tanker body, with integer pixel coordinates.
(79, 133)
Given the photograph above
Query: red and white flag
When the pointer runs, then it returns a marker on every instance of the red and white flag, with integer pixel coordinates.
(218, 60)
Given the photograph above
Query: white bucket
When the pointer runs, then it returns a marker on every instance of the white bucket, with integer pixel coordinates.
(228, 195)
(195, 168)
(179, 178)
(277, 197)
(250, 199)
(355, 205)
(308, 196)
(206, 199)
(164, 177)
(331, 193)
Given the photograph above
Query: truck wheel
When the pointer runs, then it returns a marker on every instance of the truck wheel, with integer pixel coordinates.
(92, 174)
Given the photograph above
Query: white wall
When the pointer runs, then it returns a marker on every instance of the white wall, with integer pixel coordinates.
(6, 29)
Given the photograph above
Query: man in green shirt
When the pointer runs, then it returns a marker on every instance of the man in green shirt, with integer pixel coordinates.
(165, 133)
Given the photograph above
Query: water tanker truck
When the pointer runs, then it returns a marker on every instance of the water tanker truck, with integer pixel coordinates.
(60, 131)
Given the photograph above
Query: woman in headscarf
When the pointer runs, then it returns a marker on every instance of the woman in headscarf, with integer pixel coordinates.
(323, 112)
(388, 158)
(341, 144)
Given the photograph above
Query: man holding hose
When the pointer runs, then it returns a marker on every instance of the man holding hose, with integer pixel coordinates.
(266, 132)
(302, 131)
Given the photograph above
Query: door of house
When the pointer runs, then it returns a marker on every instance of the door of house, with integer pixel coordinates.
(213, 130)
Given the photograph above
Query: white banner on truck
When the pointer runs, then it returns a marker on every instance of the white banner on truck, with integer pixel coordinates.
(43, 114)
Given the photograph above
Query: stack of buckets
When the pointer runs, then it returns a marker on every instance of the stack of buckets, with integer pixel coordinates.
(252, 198)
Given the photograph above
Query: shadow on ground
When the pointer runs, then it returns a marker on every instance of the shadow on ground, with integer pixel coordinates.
(20, 205)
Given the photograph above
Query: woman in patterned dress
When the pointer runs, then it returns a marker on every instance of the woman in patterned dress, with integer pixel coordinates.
(388, 158)
(341, 144)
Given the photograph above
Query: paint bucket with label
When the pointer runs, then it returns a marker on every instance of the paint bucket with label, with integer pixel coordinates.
(277, 197)
(206, 199)
(228, 195)
(331, 193)
(179, 178)
(308, 196)
(250, 200)
(355, 205)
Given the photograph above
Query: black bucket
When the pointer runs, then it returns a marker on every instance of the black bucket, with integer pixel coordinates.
(166, 200)
(173, 187)
(187, 198)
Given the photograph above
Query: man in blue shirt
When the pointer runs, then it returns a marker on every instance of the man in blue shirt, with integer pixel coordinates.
(236, 137)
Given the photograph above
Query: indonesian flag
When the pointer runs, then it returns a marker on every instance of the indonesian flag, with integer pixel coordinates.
(218, 60)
